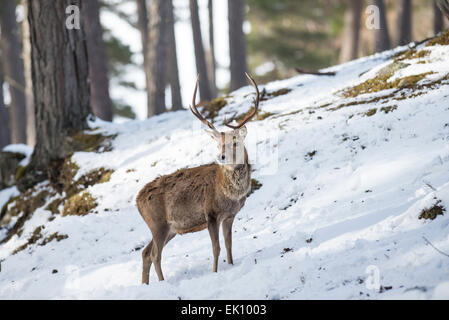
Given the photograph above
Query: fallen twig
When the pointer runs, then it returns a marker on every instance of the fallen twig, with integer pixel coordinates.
(438, 250)
(313, 72)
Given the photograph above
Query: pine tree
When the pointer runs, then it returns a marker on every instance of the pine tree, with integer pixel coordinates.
(404, 21)
(157, 50)
(61, 86)
(98, 68)
(350, 47)
(381, 35)
(200, 58)
(13, 70)
(237, 43)
(173, 72)
(5, 138)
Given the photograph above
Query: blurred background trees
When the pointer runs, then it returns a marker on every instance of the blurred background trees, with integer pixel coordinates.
(143, 71)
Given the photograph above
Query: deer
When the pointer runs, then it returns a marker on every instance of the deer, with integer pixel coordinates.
(193, 199)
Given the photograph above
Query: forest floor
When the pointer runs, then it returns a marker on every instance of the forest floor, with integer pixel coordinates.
(352, 179)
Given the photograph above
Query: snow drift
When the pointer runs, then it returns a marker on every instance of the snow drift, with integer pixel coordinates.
(345, 167)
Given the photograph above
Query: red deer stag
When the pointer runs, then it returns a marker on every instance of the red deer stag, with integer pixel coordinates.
(194, 199)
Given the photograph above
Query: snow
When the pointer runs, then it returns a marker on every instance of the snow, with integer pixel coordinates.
(22, 149)
(341, 224)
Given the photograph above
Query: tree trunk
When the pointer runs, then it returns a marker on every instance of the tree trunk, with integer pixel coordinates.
(157, 56)
(61, 88)
(211, 52)
(237, 43)
(438, 23)
(98, 69)
(381, 35)
(5, 138)
(30, 112)
(143, 25)
(444, 7)
(13, 70)
(201, 66)
(404, 22)
(173, 72)
(350, 47)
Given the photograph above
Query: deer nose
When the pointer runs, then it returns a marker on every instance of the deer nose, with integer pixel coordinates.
(223, 157)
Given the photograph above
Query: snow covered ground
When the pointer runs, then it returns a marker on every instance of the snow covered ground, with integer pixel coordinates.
(336, 216)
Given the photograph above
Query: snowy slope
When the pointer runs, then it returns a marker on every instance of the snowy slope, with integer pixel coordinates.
(339, 203)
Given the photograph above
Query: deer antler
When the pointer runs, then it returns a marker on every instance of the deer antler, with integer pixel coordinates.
(256, 106)
(195, 110)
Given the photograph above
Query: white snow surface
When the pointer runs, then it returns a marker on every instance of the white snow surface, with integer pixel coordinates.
(320, 227)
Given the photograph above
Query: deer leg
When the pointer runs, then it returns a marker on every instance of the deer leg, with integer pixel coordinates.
(213, 227)
(160, 240)
(227, 234)
(146, 261)
(170, 236)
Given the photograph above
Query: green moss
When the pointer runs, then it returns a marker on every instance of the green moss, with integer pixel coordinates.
(36, 236)
(411, 54)
(265, 95)
(371, 112)
(23, 207)
(53, 206)
(5, 207)
(83, 141)
(432, 212)
(20, 172)
(64, 180)
(260, 115)
(212, 108)
(388, 109)
(380, 83)
(79, 204)
(442, 39)
(28, 202)
(55, 236)
(279, 92)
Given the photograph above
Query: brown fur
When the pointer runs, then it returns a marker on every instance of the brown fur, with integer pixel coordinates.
(192, 199)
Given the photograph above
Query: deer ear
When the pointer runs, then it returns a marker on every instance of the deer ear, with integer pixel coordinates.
(213, 134)
(243, 132)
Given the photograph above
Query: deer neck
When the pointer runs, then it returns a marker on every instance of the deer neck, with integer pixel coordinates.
(234, 182)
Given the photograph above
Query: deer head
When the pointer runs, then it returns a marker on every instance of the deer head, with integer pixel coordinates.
(231, 148)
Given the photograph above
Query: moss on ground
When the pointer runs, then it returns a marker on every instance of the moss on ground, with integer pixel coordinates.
(265, 95)
(260, 115)
(371, 112)
(79, 204)
(83, 141)
(388, 109)
(411, 54)
(53, 206)
(432, 212)
(211, 109)
(36, 236)
(380, 83)
(442, 39)
(20, 172)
